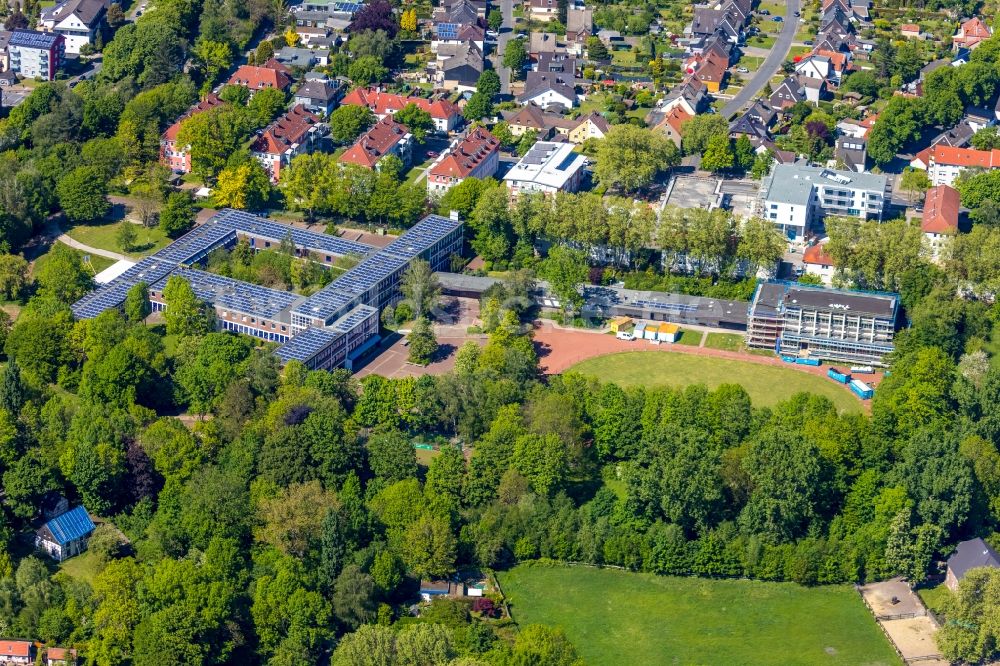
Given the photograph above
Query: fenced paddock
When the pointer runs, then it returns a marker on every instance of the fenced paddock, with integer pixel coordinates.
(904, 620)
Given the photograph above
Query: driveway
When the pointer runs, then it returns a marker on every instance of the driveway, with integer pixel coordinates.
(772, 64)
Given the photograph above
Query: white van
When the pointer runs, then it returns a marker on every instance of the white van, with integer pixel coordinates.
(862, 368)
(624, 335)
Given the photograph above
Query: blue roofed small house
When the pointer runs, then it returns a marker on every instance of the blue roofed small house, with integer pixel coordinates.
(65, 535)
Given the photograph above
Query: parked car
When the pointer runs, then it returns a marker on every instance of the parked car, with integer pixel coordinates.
(432, 153)
(778, 19)
(742, 70)
(808, 42)
(764, 12)
(624, 335)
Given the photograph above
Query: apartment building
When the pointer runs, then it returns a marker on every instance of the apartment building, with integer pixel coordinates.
(477, 155)
(547, 168)
(295, 133)
(795, 196)
(36, 55)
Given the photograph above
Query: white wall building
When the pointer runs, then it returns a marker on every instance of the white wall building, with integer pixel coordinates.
(76, 20)
(795, 195)
(547, 168)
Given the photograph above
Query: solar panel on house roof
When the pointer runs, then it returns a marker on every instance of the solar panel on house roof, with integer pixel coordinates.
(447, 30)
(303, 346)
(71, 525)
(32, 39)
(347, 7)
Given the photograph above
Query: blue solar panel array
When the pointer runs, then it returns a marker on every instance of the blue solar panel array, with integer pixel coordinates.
(670, 307)
(347, 7)
(447, 30)
(307, 344)
(233, 294)
(70, 526)
(350, 299)
(367, 275)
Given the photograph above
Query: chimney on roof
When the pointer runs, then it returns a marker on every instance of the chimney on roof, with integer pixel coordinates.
(454, 215)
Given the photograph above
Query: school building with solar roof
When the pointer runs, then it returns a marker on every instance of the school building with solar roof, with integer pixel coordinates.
(325, 330)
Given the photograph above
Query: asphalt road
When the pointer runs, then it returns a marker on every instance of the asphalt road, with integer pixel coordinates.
(506, 32)
(772, 63)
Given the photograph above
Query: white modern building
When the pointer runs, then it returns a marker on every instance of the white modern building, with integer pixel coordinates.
(795, 196)
(547, 168)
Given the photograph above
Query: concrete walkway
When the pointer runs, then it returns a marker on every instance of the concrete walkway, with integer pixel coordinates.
(54, 232)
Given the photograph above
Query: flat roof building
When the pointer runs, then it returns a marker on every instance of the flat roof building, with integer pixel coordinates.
(833, 324)
(794, 196)
(324, 330)
(547, 168)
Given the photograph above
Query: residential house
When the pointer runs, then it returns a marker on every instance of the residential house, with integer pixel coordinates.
(710, 69)
(477, 155)
(446, 116)
(386, 137)
(931, 66)
(294, 56)
(549, 90)
(458, 67)
(543, 10)
(970, 34)
(956, 137)
(690, 94)
(911, 31)
(978, 118)
(852, 153)
(824, 66)
(817, 262)
(940, 219)
(458, 22)
(295, 133)
(270, 75)
(558, 63)
(78, 21)
(540, 42)
(754, 123)
(319, 96)
(65, 535)
(57, 656)
(36, 55)
(531, 118)
(672, 123)
(547, 168)
(796, 195)
(944, 163)
(814, 89)
(709, 21)
(176, 157)
(971, 554)
(591, 126)
(788, 93)
(17, 652)
(579, 28)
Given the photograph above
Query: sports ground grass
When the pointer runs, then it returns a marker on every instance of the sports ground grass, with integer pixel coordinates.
(767, 385)
(617, 617)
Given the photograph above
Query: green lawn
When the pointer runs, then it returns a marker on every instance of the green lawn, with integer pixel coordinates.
(776, 8)
(104, 236)
(82, 567)
(616, 617)
(727, 341)
(936, 598)
(762, 41)
(689, 338)
(766, 385)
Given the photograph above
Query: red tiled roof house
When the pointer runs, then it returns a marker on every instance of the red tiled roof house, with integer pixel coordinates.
(970, 34)
(944, 163)
(817, 262)
(386, 137)
(258, 78)
(940, 221)
(446, 116)
(172, 156)
(295, 133)
(475, 156)
(17, 652)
